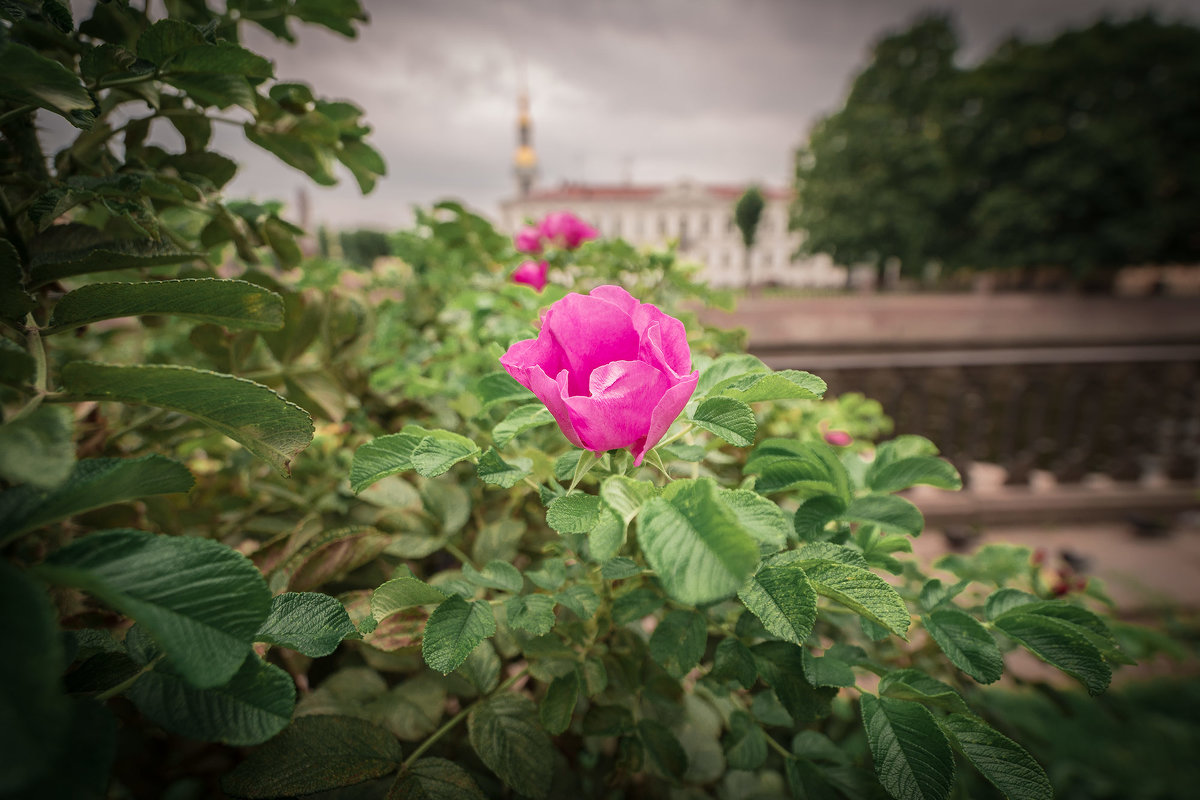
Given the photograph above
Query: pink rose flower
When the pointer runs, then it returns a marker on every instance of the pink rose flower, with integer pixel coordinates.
(564, 229)
(528, 240)
(614, 372)
(838, 438)
(531, 273)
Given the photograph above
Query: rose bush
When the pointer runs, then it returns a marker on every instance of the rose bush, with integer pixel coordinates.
(559, 228)
(614, 372)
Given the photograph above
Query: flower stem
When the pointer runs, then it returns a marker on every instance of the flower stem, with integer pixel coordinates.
(125, 684)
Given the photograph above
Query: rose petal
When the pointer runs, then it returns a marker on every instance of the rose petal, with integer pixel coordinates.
(618, 297)
(664, 414)
(531, 273)
(588, 332)
(554, 394)
(662, 338)
(618, 410)
(522, 356)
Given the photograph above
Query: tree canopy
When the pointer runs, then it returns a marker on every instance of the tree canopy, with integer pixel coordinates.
(1075, 153)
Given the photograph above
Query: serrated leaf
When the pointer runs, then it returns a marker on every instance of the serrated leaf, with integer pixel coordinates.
(906, 472)
(558, 705)
(887, 512)
(745, 745)
(438, 450)
(808, 782)
(201, 601)
(635, 605)
(38, 448)
(732, 660)
(726, 368)
(663, 750)
(504, 731)
(862, 591)
(495, 575)
(315, 754)
(381, 457)
(781, 665)
(63, 251)
(531, 612)
(573, 513)
(607, 536)
(1006, 765)
(696, 545)
(309, 622)
(247, 412)
(93, 483)
(15, 302)
(728, 418)
(761, 518)
(495, 470)
(912, 757)
(806, 468)
(519, 420)
(435, 779)
(783, 600)
(233, 304)
(913, 684)
(254, 705)
(966, 643)
(814, 514)
(934, 594)
(678, 642)
(788, 384)
(1059, 644)
(827, 670)
(626, 496)
(454, 629)
(32, 79)
(482, 668)
(619, 568)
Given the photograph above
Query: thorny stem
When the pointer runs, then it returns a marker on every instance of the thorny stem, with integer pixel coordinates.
(457, 718)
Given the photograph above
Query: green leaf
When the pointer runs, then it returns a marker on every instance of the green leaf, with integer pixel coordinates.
(39, 448)
(495, 575)
(827, 670)
(619, 568)
(234, 304)
(886, 511)
(519, 420)
(34, 713)
(315, 754)
(167, 37)
(531, 612)
(627, 496)
(734, 661)
(862, 591)
(781, 665)
(788, 384)
(558, 705)
(808, 781)
(435, 779)
(814, 514)
(32, 79)
(382, 457)
(438, 450)
(1059, 644)
(913, 684)
(607, 537)
(761, 518)
(573, 513)
(912, 757)
(1005, 764)
(678, 642)
(315, 161)
(93, 483)
(63, 251)
(806, 468)
(495, 470)
(783, 600)
(252, 707)
(900, 448)
(906, 472)
(363, 161)
(201, 601)
(505, 733)
(663, 750)
(223, 57)
(500, 387)
(726, 368)
(745, 745)
(1002, 601)
(1084, 622)
(15, 302)
(249, 413)
(694, 542)
(730, 419)
(454, 629)
(308, 622)
(966, 643)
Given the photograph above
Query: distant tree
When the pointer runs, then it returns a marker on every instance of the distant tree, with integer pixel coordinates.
(874, 180)
(362, 247)
(747, 213)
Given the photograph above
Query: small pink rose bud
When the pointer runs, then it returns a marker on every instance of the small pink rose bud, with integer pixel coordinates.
(564, 229)
(528, 240)
(838, 438)
(532, 273)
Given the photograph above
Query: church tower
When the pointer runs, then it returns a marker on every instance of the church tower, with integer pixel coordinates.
(525, 159)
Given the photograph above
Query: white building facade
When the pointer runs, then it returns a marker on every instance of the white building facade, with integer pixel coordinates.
(698, 217)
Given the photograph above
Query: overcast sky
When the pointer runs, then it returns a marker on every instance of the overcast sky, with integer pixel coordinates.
(713, 90)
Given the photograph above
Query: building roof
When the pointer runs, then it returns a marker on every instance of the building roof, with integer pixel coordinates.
(570, 191)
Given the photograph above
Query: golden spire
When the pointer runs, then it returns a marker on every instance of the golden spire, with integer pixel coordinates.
(525, 159)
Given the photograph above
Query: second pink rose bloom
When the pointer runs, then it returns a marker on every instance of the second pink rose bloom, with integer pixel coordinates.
(614, 372)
